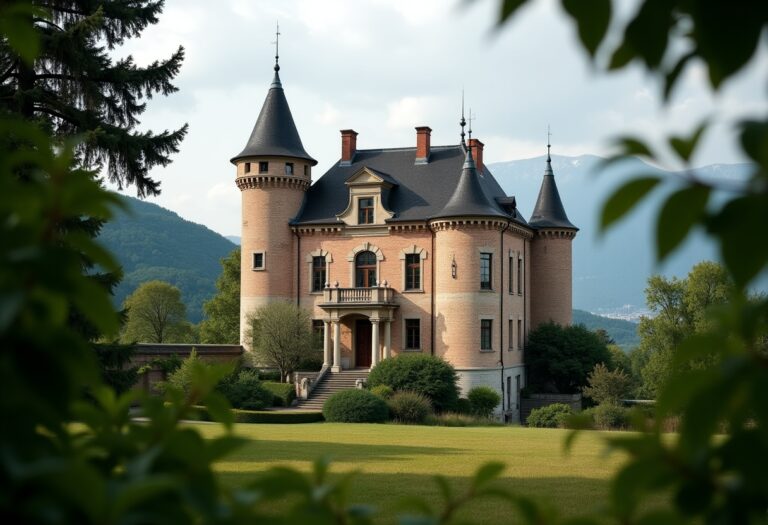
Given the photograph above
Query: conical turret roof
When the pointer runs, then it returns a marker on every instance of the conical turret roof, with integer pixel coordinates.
(275, 133)
(468, 198)
(549, 211)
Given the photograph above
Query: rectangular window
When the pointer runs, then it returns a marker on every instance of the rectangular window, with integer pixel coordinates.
(412, 334)
(317, 333)
(318, 273)
(365, 210)
(511, 276)
(486, 329)
(263, 167)
(485, 271)
(413, 271)
(306, 170)
(258, 260)
(519, 335)
(519, 276)
(511, 335)
(509, 392)
(289, 168)
(247, 167)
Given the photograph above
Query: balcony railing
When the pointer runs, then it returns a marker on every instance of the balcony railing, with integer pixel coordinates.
(352, 296)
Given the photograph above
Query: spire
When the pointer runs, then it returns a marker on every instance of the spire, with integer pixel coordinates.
(549, 211)
(463, 121)
(470, 123)
(275, 132)
(468, 198)
(277, 47)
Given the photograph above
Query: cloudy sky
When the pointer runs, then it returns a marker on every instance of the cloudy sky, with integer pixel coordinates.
(382, 67)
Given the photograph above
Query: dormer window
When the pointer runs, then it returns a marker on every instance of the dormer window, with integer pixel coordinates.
(263, 167)
(365, 210)
(289, 168)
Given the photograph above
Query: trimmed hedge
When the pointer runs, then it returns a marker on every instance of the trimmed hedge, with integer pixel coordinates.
(244, 390)
(550, 416)
(355, 406)
(608, 416)
(284, 393)
(409, 407)
(382, 391)
(483, 400)
(270, 416)
(425, 374)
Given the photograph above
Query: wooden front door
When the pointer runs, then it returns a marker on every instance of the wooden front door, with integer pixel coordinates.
(363, 343)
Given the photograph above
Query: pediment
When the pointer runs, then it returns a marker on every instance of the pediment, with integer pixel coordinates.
(366, 176)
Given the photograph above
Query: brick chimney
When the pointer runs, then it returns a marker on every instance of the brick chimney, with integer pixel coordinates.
(348, 146)
(477, 153)
(423, 134)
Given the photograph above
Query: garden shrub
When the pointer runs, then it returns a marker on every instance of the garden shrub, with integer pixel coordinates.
(244, 390)
(425, 374)
(355, 406)
(463, 406)
(409, 407)
(311, 363)
(200, 413)
(382, 391)
(609, 416)
(270, 375)
(550, 416)
(284, 393)
(454, 419)
(482, 400)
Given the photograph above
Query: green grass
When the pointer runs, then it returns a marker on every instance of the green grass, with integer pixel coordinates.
(397, 461)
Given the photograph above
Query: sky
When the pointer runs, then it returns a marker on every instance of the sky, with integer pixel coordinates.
(382, 67)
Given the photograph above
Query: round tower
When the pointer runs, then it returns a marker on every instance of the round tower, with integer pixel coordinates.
(273, 173)
(551, 260)
(468, 252)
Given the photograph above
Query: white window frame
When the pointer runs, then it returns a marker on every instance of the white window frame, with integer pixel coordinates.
(422, 253)
(263, 260)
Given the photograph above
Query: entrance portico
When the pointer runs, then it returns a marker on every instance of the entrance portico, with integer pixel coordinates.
(372, 310)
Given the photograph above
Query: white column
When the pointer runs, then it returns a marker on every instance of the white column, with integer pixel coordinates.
(387, 338)
(326, 344)
(336, 367)
(375, 350)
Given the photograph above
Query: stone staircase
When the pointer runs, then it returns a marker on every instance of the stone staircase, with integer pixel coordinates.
(330, 384)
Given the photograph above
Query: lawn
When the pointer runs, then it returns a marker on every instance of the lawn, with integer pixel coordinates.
(398, 461)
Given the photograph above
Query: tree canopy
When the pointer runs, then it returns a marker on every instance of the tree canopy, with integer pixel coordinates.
(281, 336)
(222, 313)
(156, 314)
(560, 358)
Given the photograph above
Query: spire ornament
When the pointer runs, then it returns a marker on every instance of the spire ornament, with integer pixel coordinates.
(463, 121)
(277, 46)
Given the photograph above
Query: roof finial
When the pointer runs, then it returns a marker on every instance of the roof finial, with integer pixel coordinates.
(463, 121)
(549, 137)
(471, 118)
(277, 46)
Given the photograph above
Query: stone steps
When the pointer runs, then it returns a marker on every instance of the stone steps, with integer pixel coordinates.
(330, 384)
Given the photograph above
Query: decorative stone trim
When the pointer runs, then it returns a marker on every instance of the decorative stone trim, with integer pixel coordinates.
(469, 223)
(555, 234)
(365, 247)
(250, 182)
(319, 253)
(413, 250)
(407, 227)
(486, 249)
(309, 260)
(321, 230)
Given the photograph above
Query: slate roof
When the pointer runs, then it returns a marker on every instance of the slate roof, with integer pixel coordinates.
(549, 211)
(275, 133)
(421, 193)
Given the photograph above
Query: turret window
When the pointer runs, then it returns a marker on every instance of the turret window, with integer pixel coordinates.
(247, 167)
(306, 170)
(519, 276)
(263, 167)
(289, 168)
(486, 329)
(486, 267)
(258, 261)
(365, 210)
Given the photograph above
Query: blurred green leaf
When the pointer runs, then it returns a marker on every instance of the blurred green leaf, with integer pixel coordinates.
(684, 147)
(647, 34)
(508, 8)
(592, 18)
(679, 213)
(624, 199)
(488, 472)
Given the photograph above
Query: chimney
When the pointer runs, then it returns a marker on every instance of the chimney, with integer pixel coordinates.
(423, 134)
(477, 153)
(348, 146)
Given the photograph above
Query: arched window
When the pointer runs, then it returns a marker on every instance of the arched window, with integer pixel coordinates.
(365, 269)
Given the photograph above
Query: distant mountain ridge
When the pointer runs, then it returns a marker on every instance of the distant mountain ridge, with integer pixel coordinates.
(151, 242)
(609, 272)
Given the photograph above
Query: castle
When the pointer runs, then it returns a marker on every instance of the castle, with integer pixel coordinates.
(393, 251)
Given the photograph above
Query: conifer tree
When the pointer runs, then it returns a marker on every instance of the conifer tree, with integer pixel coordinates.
(75, 87)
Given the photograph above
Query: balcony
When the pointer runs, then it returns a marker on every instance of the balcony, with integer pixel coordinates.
(340, 297)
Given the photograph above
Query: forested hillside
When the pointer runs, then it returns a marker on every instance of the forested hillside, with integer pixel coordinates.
(154, 243)
(623, 332)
